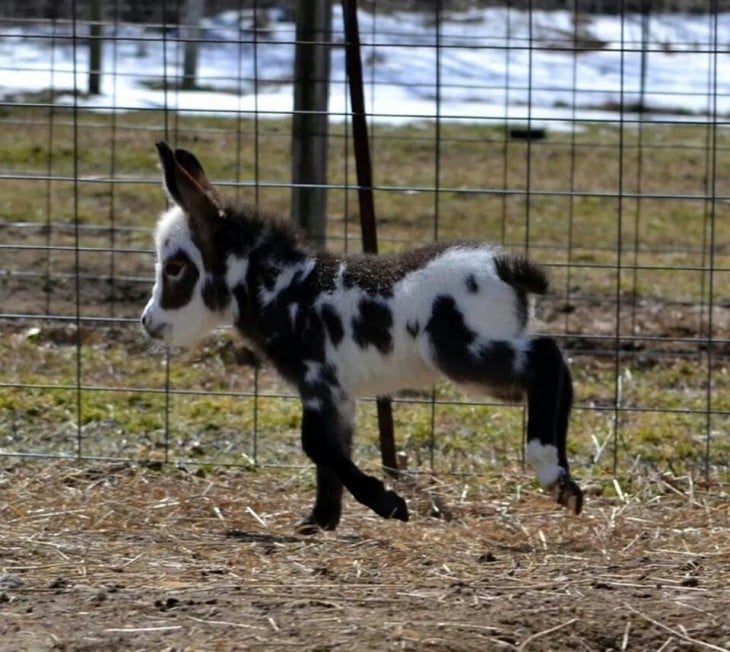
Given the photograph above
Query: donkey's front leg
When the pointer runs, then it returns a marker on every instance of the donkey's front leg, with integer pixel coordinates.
(326, 439)
(327, 505)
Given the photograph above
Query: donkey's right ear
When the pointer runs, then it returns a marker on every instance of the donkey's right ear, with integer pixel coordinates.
(186, 183)
(169, 165)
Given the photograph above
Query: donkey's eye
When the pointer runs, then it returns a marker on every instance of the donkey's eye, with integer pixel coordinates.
(174, 269)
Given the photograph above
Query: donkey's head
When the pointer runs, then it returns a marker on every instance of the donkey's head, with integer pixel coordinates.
(189, 297)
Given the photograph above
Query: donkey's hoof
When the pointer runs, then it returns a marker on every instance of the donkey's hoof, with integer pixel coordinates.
(568, 494)
(393, 506)
(310, 525)
(307, 527)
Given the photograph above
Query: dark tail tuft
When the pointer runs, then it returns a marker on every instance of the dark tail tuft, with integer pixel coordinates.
(521, 273)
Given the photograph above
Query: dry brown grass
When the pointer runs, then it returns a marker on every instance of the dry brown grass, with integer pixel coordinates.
(123, 557)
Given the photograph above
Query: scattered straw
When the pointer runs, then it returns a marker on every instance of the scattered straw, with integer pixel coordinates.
(165, 559)
(544, 632)
(681, 635)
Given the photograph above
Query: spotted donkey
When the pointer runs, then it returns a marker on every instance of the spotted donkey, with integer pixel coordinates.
(339, 327)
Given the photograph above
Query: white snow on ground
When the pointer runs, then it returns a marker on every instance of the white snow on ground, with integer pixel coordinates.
(493, 64)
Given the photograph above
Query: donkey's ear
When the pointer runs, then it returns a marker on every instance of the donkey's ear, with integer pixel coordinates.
(187, 184)
(167, 161)
(193, 171)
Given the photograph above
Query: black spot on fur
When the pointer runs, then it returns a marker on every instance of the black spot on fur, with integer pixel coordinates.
(372, 326)
(449, 334)
(471, 284)
(491, 364)
(272, 248)
(323, 386)
(215, 293)
(329, 375)
(291, 347)
(178, 293)
(500, 359)
(247, 322)
(413, 328)
(333, 323)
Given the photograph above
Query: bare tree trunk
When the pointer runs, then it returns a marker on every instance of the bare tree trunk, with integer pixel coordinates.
(95, 46)
(194, 10)
(310, 123)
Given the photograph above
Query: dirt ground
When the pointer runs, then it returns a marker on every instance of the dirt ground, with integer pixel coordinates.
(123, 557)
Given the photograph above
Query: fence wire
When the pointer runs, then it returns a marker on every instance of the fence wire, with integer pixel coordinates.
(597, 144)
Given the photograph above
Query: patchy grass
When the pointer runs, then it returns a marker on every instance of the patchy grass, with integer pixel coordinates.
(214, 417)
(581, 203)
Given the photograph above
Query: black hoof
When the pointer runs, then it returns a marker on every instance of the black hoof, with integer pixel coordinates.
(312, 525)
(568, 494)
(393, 506)
(307, 527)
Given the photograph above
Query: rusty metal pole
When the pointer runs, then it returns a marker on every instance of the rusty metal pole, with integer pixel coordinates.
(364, 171)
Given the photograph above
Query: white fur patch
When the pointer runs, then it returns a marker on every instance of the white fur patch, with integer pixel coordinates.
(236, 270)
(171, 225)
(313, 404)
(544, 460)
(285, 277)
(490, 312)
(313, 373)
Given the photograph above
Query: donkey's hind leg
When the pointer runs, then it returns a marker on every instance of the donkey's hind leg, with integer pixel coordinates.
(512, 368)
(547, 382)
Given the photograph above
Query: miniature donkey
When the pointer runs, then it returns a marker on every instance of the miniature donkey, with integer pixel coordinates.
(339, 327)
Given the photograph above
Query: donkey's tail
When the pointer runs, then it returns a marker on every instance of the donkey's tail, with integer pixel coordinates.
(521, 273)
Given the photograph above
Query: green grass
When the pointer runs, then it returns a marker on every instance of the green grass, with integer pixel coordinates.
(216, 422)
(482, 180)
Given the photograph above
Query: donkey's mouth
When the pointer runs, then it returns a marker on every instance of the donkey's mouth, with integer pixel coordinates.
(159, 332)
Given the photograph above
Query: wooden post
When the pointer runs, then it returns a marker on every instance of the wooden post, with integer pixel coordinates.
(364, 171)
(95, 46)
(310, 121)
(193, 14)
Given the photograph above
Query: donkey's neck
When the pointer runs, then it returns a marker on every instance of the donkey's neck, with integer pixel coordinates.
(269, 271)
(256, 246)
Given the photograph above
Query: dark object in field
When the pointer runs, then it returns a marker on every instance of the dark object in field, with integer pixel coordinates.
(525, 133)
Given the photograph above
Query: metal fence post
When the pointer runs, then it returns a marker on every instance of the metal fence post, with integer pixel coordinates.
(364, 173)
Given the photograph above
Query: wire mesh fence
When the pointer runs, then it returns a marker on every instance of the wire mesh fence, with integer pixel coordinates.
(596, 143)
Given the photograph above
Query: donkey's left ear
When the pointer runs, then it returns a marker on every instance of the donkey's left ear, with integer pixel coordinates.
(187, 184)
